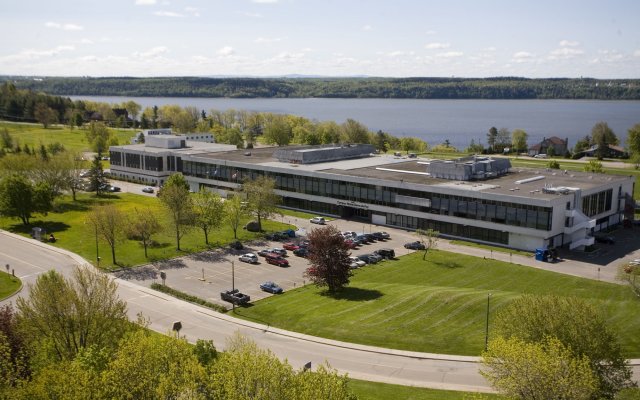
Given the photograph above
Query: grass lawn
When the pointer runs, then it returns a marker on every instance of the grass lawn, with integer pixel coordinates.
(72, 140)
(9, 284)
(366, 390)
(438, 305)
(67, 222)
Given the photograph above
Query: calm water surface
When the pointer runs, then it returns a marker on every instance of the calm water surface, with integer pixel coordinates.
(434, 121)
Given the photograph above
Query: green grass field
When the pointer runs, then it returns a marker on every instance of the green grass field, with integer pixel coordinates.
(9, 284)
(73, 140)
(366, 390)
(67, 222)
(438, 305)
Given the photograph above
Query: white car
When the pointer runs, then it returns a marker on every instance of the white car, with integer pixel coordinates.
(249, 258)
(349, 234)
(317, 220)
(147, 189)
(356, 262)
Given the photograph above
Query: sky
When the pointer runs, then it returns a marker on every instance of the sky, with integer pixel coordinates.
(395, 38)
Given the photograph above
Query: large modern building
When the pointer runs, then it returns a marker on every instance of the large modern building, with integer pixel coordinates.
(475, 198)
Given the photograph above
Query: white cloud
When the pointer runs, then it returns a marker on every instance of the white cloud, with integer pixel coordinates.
(400, 53)
(193, 11)
(226, 51)
(145, 2)
(253, 15)
(437, 46)
(31, 54)
(267, 40)
(64, 27)
(636, 53)
(265, 1)
(565, 53)
(522, 57)
(170, 14)
(367, 28)
(450, 54)
(430, 32)
(86, 41)
(569, 43)
(152, 53)
(286, 55)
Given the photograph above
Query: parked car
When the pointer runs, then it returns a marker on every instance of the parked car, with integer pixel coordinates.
(607, 239)
(349, 234)
(277, 236)
(271, 287)
(114, 189)
(381, 235)
(235, 297)
(277, 260)
(389, 254)
(290, 246)
(369, 258)
(317, 220)
(249, 258)
(370, 236)
(266, 252)
(414, 245)
(147, 189)
(278, 251)
(302, 252)
(356, 262)
(364, 239)
(351, 243)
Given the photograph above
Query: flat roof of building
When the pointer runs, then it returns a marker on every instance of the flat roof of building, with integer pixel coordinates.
(193, 147)
(519, 182)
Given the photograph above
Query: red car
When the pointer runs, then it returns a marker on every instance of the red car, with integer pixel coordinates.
(290, 246)
(277, 260)
(351, 243)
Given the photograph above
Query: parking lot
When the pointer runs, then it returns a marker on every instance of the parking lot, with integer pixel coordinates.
(206, 274)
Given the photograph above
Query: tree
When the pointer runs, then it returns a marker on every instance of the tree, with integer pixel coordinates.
(539, 370)
(143, 224)
(429, 238)
(412, 144)
(475, 148)
(277, 131)
(582, 144)
(329, 132)
(20, 198)
(141, 139)
(98, 137)
(69, 315)
(234, 211)
(519, 140)
(148, 366)
(603, 136)
(380, 141)
(133, 109)
(175, 196)
(329, 258)
(97, 179)
(261, 199)
(209, 211)
(6, 139)
(109, 223)
(630, 273)
(553, 164)
(14, 354)
(593, 166)
(354, 132)
(492, 136)
(578, 325)
(502, 140)
(45, 115)
(633, 143)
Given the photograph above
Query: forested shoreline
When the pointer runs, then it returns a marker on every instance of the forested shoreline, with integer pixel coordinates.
(391, 88)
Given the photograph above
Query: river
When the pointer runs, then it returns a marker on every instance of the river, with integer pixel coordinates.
(434, 121)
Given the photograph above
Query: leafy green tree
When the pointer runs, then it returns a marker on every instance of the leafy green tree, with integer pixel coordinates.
(96, 176)
(475, 148)
(380, 141)
(603, 136)
(209, 211)
(540, 370)
(14, 354)
(553, 164)
(277, 131)
(412, 144)
(593, 166)
(68, 380)
(234, 211)
(578, 325)
(20, 198)
(633, 143)
(519, 140)
(133, 109)
(354, 132)
(582, 144)
(98, 136)
(630, 274)
(109, 223)
(429, 239)
(69, 315)
(147, 366)
(329, 132)
(205, 352)
(502, 140)
(143, 224)
(492, 137)
(175, 196)
(6, 139)
(330, 265)
(261, 198)
(45, 115)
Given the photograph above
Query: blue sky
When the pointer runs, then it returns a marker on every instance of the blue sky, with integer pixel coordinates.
(399, 38)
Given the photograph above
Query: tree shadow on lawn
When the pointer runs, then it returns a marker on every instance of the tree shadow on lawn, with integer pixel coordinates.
(448, 264)
(68, 206)
(353, 294)
(49, 226)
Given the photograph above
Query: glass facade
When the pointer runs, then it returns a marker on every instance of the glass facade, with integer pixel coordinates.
(597, 203)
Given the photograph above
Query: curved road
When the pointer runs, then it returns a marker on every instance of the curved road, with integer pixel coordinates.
(30, 258)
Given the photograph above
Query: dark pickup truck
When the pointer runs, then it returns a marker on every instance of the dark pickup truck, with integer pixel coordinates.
(234, 296)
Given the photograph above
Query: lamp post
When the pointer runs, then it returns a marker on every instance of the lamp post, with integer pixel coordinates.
(486, 332)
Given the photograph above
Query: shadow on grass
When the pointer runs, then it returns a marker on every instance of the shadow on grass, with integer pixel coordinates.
(49, 226)
(448, 264)
(78, 205)
(353, 294)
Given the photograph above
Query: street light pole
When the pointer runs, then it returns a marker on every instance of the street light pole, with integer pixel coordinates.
(486, 332)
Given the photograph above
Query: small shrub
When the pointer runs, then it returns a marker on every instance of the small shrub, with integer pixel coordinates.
(187, 297)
